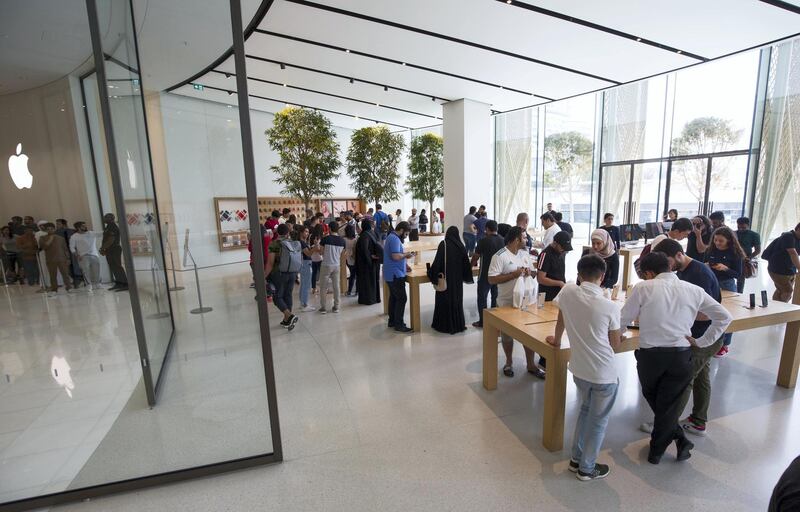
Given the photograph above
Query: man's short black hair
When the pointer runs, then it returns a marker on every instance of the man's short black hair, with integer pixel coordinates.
(472, 210)
(547, 216)
(333, 226)
(655, 262)
(591, 267)
(491, 226)
(286, 210)
(282, 229)
(502, 229)
(558, 216)
(78, 224)
(669, 247)
(682, 224)
(717, 215)
(513, 234)
(62, 221)
(378, 206)
(743, 220)
(275, 213)
(607, 215)
(403, 225)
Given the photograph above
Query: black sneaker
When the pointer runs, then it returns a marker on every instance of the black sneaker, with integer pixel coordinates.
(284, 323)
(402, 328)
(600, 471)
(292, 322)
(573, 466)
(684, 447)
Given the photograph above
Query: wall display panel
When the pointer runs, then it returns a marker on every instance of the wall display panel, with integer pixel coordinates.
(233, 222)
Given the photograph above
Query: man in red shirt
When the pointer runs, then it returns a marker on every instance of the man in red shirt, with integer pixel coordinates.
(272, 222)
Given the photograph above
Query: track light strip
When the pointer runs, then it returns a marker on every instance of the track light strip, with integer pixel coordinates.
(296, 87)
(232, 92)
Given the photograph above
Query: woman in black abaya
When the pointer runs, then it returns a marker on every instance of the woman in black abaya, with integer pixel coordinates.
(369, 255)
(448, 313)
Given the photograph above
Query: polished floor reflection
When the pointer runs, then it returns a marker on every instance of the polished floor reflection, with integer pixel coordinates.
(374, 420)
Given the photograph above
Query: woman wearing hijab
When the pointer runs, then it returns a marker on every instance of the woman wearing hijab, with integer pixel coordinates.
(603, 245)
(369, 255)
(451, 261)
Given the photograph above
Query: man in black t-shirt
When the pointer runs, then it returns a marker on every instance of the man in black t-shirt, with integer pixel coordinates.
(552, 272)
(782, 255)
(487, 246)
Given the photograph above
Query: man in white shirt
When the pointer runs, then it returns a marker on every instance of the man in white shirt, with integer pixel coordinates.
(413, 224)
(83, 244)
(506, 266)
(550, 230)
(592, 323)
(666, 308)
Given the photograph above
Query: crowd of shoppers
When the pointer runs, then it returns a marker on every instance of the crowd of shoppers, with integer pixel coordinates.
(54, 255)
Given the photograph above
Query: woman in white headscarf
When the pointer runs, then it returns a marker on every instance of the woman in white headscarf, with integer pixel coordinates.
(603, 246)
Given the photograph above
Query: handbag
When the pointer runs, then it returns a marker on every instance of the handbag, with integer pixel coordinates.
(750, 268)
(441, 281)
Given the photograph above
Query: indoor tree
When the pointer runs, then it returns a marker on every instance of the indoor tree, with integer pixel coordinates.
(373, 162)
(309, 153)
(699, 136)
(569, 159)
(425, 179)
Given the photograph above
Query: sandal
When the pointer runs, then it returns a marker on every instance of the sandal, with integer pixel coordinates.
(537, 372)
(508, 371)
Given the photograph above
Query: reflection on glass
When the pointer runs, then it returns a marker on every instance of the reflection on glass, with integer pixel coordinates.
(648, 192)
(728, 182)
(60, 369)
(615, 192)
(633, 120)
(688, 186)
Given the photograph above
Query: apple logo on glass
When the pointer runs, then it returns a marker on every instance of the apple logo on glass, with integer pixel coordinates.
(18, 167)
(131, 171)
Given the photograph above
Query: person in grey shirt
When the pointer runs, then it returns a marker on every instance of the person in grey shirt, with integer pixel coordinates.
(413, 223)
(469, 231)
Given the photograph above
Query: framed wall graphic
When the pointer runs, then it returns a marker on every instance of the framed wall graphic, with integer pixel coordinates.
(326, 207)
(141, 220)
(339, 206)
(233, 222)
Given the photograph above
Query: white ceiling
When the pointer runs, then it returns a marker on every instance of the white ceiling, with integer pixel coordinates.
(44, 40)
(479, 49)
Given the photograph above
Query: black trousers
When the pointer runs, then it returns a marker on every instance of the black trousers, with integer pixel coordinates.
(114, 259)
(414, 235)
(664, 374)
(397, 301)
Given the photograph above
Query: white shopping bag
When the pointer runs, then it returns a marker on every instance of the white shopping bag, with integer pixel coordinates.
(518, 296)
(530, 291)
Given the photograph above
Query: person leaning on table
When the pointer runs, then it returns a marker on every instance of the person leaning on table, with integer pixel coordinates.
(666, 308)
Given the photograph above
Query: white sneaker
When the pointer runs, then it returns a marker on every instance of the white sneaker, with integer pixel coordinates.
(52, 294)
(335, 310)
(646, 427)
(308, 309)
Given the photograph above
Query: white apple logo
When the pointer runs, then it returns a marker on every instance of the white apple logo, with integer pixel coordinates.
(131, 171)
(18, 167)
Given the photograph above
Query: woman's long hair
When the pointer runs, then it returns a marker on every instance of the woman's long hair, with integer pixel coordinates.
(733, 242)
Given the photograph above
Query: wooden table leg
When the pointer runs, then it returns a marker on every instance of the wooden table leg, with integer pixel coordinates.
(385, 297)
(413, 291)
(490, 334)
(790, 356)
(555, 396)
(343, 276)
(626, 271)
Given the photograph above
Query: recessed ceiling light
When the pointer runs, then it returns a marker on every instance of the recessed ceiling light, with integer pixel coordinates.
(403, 63)
(377, 104)
(508, 2)
(679, 52)
(352, 81)
(283, 66)
(638, 39)
(348, 51)
(284, 85)
(227, 75)
(356, 117)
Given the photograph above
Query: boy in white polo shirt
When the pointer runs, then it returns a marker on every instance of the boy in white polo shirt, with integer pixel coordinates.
(593, 326)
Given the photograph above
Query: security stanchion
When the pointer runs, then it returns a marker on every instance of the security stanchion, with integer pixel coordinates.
(3, 270)
(41, 273)
(156, 293)
(174, 287)
(188, 254)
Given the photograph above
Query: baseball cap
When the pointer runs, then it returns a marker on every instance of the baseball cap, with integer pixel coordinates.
(563, 239)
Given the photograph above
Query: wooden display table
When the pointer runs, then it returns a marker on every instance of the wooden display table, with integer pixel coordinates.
(415, 278)
(417, 248)
(532, 334)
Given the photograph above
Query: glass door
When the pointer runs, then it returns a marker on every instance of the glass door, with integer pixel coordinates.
(726, 191)
(647, 193)
(687, 186)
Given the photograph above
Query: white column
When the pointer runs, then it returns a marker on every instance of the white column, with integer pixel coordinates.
(467, 159)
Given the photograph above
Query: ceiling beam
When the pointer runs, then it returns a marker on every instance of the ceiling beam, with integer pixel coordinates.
(323, 93)
(602, 28)
(398, 62)
(339, 75)
(783, 5)
(372, 19)
(290, 103)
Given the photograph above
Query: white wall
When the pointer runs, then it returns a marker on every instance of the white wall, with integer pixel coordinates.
(204, 155)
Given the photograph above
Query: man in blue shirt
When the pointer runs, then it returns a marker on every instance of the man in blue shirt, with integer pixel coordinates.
(394, 273)
(379, 218)
(692, 271)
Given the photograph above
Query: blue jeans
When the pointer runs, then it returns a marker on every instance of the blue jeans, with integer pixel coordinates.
(730, 285)
(284, 284)
(469, 242)
(590, 429)
(305, 282)
(484, 288)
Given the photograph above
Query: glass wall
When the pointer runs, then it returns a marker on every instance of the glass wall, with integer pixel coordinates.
(689, 140)
(114, 388)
